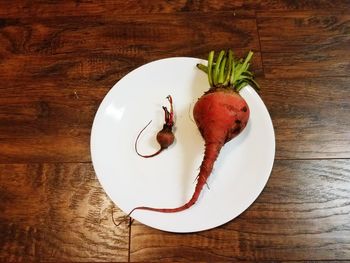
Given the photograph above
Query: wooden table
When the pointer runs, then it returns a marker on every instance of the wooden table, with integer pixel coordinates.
(59, 59)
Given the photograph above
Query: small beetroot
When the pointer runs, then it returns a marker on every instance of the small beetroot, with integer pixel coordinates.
(165, 137)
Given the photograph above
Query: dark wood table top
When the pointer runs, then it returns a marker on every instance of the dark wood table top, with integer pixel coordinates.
(59, 59)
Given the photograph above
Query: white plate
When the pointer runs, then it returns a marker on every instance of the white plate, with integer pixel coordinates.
(168, 180)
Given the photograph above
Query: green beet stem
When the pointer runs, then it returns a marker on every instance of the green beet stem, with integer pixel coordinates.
(202, 68)
(222, 71)
(254, 84)
(210, 65)
(237, 72)
(241, 85)
(232, 74)
(228, 72)
(229, 66)
(247, 59)
(217, 67)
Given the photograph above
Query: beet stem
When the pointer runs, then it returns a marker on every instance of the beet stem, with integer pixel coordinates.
(217, 66)
(202, 68)
(228, 74)
(169, 116)
(232, 72)
(222, 71)
(210, 66)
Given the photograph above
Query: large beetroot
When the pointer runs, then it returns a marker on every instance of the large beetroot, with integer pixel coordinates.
(220, 114)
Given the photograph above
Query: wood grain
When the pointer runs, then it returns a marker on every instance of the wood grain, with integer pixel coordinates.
(49, 148)
(59, 69)
(71, 52)
(59, 59)
(53, 212)
(288, 5)
(311, 44)
(48, 8)
(40, 118)
(303, 213)
(95, 48)
(311, 116)
(94, 8)
(124, 36)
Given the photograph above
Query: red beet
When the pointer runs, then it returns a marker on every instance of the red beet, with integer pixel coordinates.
(165, 137)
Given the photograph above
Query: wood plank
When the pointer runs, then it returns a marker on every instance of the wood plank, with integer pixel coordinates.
(47, 8)
(93, 49)
(50, 148)
(311, 44)
(56, 71)
(128, 35)
(53, 212)
(302, 214)
(311, 116)
(286, 5)
(41, 118)
(58, 91)
(38, 74)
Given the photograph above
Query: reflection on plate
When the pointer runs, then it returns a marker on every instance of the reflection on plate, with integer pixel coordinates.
(168, 180)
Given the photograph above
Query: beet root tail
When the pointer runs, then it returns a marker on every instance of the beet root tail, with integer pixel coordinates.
(210, 155)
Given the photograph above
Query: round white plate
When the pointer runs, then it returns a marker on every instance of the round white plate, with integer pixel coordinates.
(168, 180)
